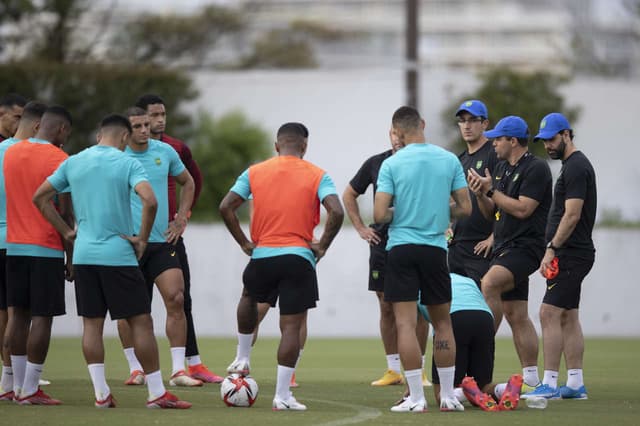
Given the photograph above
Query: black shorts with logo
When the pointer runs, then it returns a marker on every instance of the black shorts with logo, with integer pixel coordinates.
(377, 266)
(463, 261)
(290, 277)
(414, 269)
(119, 289)
(157, 258)
(521, 262)
(37, 284)
(3, 279)
(564, 290)
(475, 347)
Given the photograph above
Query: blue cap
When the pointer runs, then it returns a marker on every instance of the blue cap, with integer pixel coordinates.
(551, 125)
(512, 126)
(474, 107)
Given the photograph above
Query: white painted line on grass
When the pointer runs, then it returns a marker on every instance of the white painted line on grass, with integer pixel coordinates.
(364, 413)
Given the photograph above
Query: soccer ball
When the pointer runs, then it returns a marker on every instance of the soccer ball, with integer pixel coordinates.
(239, 391)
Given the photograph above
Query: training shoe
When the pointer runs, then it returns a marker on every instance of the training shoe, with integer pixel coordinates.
(287, 404)
(240, 367)
(570, 393)
(389, 377)
(38, 398)
(511, 396)
(450, 404)
(406, 405)
(182, 379)
(293, 383)
(425, 381)
(43, 382)
(476, 397)
(527, 388)
(544, 391)
(7, 396)
(136, 378)
(108, 402)
(202, 373)
(168, 400)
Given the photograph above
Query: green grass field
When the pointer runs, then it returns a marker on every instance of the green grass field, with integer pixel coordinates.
(334, 377)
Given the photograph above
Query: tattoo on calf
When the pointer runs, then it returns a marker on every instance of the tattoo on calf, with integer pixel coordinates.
(442, 345)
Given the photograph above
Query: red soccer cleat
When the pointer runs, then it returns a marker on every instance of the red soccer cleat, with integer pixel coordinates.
(476, 397)
(38, 398)
(168, 400)
(108, 402)
(511, 395)
(135, 379)
(202, 373)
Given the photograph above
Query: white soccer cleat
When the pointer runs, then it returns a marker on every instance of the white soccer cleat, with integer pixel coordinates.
(450, 404)
(239, 367)
(406, 405)
(287, 404)
(182, 379)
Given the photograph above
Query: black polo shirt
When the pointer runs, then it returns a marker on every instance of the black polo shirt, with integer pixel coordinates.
(577, 179)
(529, 177)
(475, 227)
(368, 175)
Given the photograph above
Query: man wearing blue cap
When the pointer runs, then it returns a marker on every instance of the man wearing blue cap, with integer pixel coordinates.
(518, 197)
(470, 247)
(568, 237)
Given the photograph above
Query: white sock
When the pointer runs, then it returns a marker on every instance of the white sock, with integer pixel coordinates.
(100, 386)
(177, 359)
(457, 392)
(283, 381)
(299, 356)
(244, 346)
(530, 375)
(134, 364)
(19, 365)
(414, 381)
(32, 375)
(393, 363)
(6, 382)
(155, 385)
(446, 375)
(550, 378)
(194, 360)
(499, 389)
(574, 378)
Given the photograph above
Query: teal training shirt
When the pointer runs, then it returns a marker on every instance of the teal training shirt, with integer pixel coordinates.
(160, 161)
(101, 179)
(465, 296)
(421, 178)
(4, 145)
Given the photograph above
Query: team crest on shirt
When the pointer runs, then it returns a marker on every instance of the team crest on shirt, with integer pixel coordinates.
(158, 161)
(516, 176)
(375, 275)
(479, 164)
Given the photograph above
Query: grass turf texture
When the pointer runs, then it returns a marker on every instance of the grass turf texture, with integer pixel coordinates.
(334, 377)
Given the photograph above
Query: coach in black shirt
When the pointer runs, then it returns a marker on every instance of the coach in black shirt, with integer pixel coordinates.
(518, 197)
(568, 237)
(470, 247)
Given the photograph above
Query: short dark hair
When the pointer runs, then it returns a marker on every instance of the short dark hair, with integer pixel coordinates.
(135, 111)
(523, 141)
(406, 117)
(12, 99)
(116, 120)
(149, 99)
(60, 111)
(34, 110)
(293, 129)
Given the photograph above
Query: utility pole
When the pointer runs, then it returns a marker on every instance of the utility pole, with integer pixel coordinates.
(411, 48)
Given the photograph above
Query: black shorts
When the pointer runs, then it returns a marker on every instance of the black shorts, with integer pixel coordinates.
(463, 261)
(521, 262)
(36, 284)
(475, 347)
(119, 289)
(290, 277)
(414, 269)
(3, 279)
(564, 290)
(157, 258)
(377, 265)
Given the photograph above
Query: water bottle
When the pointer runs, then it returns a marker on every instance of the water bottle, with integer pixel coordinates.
(538, 402)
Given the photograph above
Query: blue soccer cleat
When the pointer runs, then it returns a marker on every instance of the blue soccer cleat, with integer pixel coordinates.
(543, 391)
(569, 393)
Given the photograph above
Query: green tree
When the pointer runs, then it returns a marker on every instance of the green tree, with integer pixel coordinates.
(224, 148)
(508, 92)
